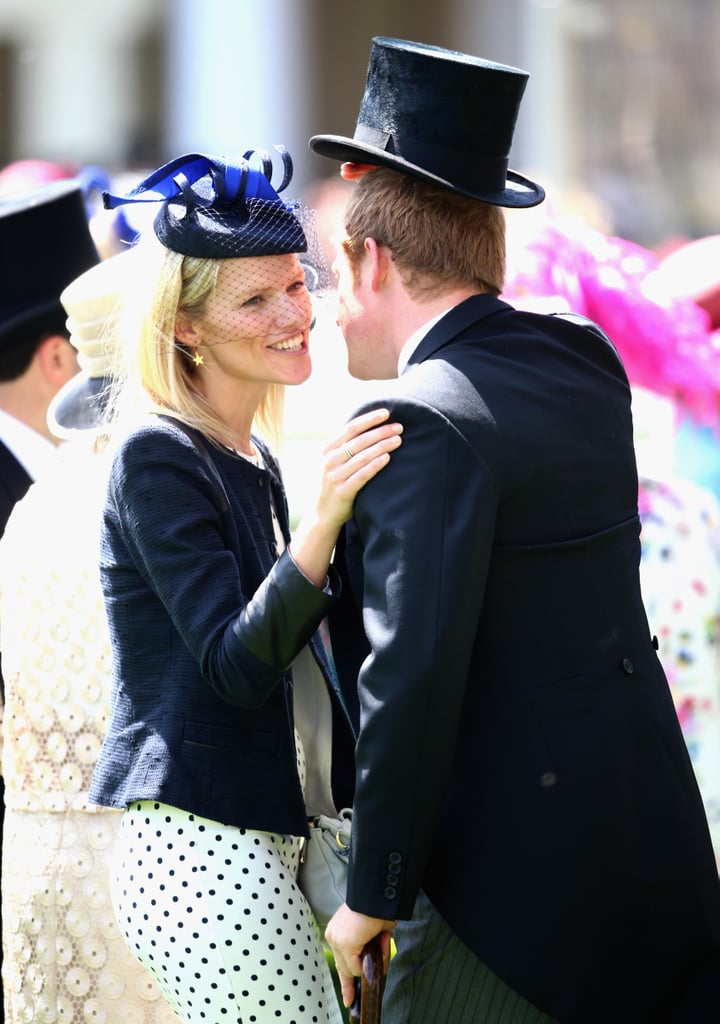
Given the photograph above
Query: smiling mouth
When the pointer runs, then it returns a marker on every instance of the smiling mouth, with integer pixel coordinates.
(295, 344)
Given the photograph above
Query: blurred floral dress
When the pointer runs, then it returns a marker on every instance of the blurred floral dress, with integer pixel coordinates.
(670, 350)
(64, 957)
(680, 574)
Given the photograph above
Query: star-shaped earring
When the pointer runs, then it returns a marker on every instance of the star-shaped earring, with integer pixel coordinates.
(198, 358)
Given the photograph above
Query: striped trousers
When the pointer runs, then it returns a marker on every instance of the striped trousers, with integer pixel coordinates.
(434, 979)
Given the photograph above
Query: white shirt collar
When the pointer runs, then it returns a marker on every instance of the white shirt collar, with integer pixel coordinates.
(34, 452)
(414, 340)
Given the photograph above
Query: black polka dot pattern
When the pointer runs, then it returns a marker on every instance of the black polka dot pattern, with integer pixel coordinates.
(215, 915)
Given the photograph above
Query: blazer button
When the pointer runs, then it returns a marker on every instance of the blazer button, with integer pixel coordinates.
(394, 858)
(628, 666)
(392, 879)
(390, 892)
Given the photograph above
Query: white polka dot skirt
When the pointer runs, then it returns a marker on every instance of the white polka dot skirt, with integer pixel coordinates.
(214, 913)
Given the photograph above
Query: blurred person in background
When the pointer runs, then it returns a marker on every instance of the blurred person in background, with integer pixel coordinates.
(526, 819)
(662, 314)
(46, 237)
(108, 232)
(46, 242)
(227, 729)
(64, 955)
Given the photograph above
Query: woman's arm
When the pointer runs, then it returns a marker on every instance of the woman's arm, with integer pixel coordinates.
(164, 522)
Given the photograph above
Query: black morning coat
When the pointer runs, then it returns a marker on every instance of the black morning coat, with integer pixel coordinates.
(520, 758)
(14, 483)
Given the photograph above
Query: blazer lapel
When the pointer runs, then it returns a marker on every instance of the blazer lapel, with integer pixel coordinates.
(457, 320)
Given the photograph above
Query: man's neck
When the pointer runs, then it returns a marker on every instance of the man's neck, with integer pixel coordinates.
(416, 313)
(26, 407)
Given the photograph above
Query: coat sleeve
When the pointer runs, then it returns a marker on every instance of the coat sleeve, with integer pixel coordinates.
(425, 525)
(165, 535)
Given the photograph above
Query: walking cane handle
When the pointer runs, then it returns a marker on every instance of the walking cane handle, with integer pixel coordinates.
(366, 1008)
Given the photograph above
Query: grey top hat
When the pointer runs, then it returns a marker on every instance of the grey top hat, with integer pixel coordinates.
(442, 116)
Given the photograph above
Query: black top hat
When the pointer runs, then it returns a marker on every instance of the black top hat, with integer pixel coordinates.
(442, 116)
(46, 242)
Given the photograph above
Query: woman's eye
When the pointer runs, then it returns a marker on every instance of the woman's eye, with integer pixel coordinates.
(297, 286)
(254, 301)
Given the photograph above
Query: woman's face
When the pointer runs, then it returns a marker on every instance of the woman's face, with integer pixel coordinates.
(256, 325)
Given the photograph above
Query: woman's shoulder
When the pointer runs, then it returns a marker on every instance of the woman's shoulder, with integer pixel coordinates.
(155, 440)
(153, 457)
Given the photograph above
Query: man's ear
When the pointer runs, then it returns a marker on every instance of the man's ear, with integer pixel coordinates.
(57, 359)
(380, 262)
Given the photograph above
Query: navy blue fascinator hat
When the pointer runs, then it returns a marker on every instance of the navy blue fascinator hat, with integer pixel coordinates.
(442, 116)
(217, 209)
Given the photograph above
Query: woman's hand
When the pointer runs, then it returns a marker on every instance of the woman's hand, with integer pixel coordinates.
(356, 456)
(352, 459)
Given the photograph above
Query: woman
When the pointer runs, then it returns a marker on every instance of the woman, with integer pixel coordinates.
(224, 695)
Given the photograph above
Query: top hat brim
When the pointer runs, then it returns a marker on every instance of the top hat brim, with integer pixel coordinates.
(519, 191)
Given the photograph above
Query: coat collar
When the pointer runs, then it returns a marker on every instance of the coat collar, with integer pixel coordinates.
(458, 319)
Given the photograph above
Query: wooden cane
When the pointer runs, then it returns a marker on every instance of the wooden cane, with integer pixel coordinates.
(366, 1008)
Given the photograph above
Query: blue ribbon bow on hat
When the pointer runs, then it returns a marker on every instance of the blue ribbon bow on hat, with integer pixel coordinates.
(217, 209)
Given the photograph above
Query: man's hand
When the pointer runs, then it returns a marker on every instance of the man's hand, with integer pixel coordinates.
(347, 934)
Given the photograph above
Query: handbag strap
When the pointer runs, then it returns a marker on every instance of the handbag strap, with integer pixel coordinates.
(205, 455)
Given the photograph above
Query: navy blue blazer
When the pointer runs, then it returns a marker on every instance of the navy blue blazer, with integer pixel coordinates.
(520, 758)
(204, 623)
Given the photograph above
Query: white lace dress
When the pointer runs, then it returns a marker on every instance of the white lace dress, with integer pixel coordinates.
(64, 958)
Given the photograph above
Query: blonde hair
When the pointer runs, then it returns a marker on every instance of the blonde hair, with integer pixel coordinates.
(439, 239)
(160, 375)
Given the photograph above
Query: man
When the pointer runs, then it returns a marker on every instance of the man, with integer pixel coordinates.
(525, 806)
(46, 242)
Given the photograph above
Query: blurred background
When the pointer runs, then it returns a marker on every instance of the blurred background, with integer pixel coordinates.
(620, 103)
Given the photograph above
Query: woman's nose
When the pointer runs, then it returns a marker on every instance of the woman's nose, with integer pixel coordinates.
(292, 311)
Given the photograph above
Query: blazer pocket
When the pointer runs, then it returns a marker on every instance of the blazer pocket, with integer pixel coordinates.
(240, 742)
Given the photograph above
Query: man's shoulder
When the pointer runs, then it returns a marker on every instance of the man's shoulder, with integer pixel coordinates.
(14, 478)
(527, 335)
(6, 456)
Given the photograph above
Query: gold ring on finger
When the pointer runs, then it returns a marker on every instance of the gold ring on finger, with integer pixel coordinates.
(348, 452)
